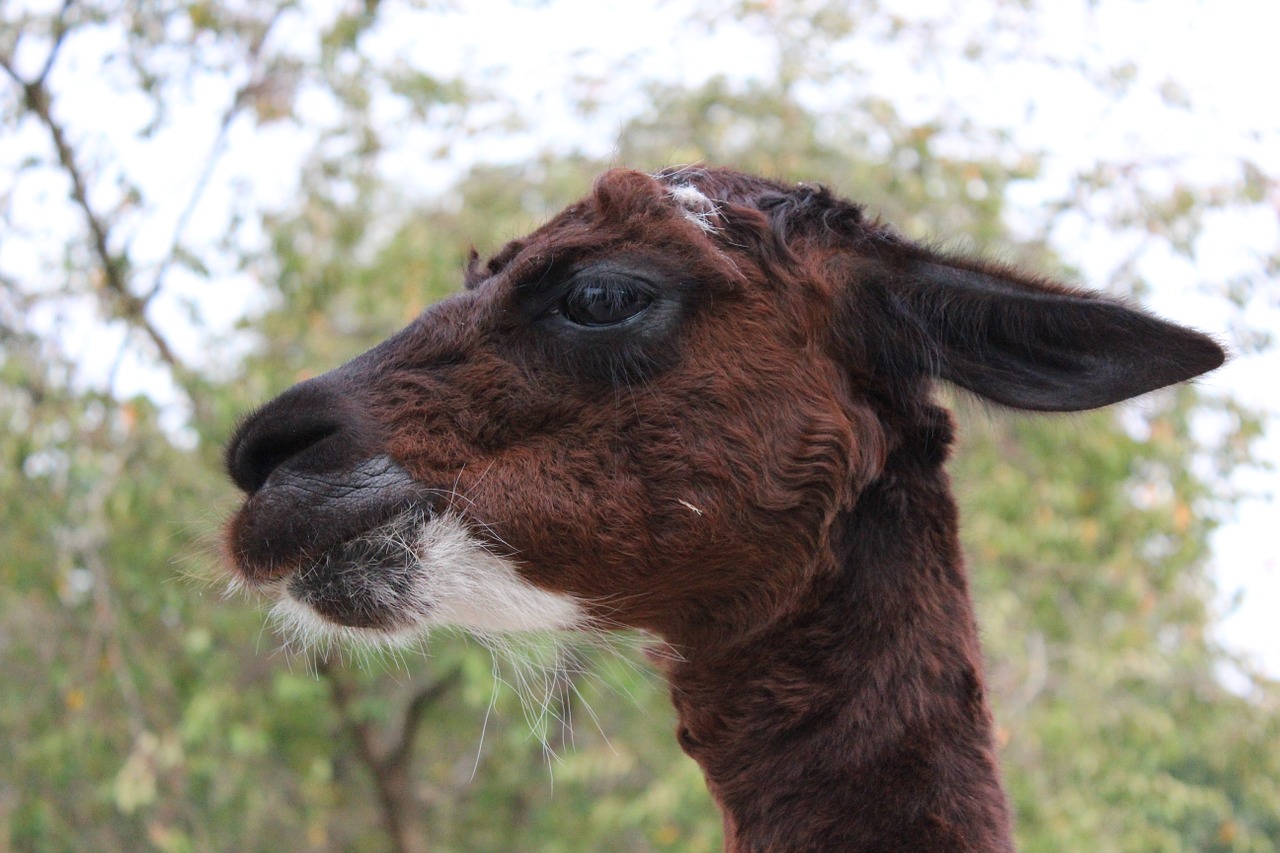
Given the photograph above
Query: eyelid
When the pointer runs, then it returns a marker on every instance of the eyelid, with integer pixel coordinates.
(556, 288)
(610, 270)
(541, 293)
(626, 295)
(545, 278)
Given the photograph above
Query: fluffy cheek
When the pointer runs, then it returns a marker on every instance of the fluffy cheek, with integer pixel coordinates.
(656, 542)
(580, 529)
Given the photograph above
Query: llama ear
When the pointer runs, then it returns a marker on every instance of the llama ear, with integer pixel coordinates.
(1039, 346)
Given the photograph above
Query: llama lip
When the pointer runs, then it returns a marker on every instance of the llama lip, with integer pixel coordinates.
(298, 517)
(366, 581)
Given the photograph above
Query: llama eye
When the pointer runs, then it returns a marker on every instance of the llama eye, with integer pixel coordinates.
(604, 302)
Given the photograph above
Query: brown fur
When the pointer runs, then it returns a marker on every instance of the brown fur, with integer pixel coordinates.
(750, 467)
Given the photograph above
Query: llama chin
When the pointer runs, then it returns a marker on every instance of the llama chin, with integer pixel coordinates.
(416, 572)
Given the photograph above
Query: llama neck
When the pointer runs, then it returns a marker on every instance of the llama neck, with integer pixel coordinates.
(859, 723)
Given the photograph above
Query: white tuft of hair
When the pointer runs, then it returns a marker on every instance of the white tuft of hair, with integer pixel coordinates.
(464, 584)
(455, 580)
(696, 206)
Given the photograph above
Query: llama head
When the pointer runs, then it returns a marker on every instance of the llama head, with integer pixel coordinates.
(650, 411)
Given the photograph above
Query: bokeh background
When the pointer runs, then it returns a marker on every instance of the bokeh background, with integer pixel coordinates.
(204, 202)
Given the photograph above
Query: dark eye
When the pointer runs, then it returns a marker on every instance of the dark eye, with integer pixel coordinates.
(604, 301)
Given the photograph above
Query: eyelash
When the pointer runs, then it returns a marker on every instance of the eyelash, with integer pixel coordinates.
(604, 301)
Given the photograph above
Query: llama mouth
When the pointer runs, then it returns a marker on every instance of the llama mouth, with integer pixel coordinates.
(300, 519)
(417, 571)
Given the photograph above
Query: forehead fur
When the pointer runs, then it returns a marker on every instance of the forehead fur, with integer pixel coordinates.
(699, 215)
(627, 212)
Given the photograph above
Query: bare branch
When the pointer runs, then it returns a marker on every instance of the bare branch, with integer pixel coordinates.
(390, 800)
(402, 750)
(388, 767)
(114, 283)
(343, 697)
(238, 103)
(60, 30)
(38, 101)
(6, 65)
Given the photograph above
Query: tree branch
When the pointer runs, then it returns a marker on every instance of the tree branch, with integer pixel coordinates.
(402, 750)
(238, 102)
(114, 282)
(60, 30)
(389, 767)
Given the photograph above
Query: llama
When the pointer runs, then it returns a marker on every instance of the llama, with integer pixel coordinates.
(698, 403)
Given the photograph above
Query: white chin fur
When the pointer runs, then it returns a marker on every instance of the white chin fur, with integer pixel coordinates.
(455, 581)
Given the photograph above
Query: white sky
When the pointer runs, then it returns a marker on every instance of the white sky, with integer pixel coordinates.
(1222, 53)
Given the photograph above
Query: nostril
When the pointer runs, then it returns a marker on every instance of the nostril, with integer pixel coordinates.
(318, 426)
(260, 448)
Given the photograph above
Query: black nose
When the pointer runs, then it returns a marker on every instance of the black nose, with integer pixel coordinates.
(312, 427)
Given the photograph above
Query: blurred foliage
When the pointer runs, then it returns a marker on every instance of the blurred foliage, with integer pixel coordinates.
(142, 709)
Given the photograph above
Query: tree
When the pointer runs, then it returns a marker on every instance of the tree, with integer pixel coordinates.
(148, 712)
